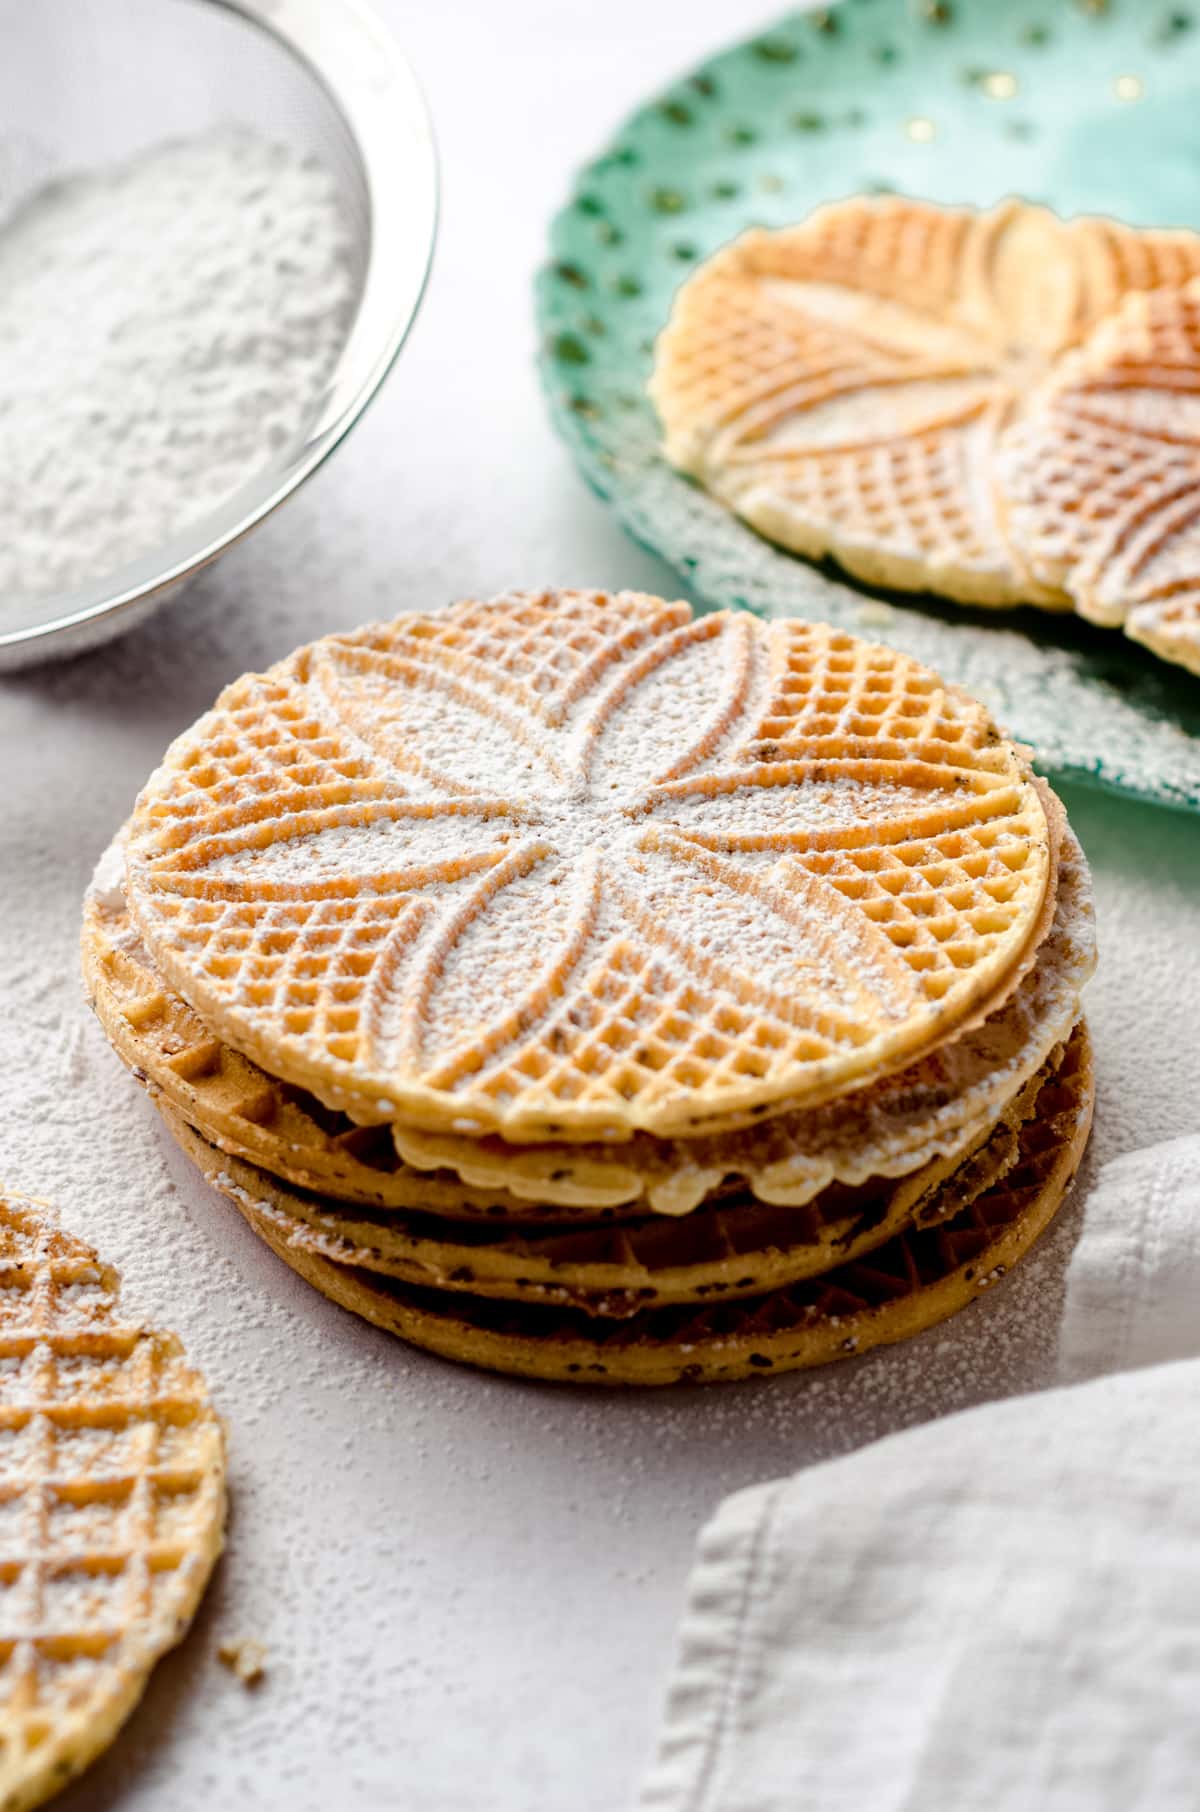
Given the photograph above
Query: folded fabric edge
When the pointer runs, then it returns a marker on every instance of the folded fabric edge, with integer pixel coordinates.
(704, 1681)
(707, 1756)
(1133, 1282)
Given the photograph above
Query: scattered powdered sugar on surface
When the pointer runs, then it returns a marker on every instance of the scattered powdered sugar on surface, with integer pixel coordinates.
(407, 1537)
(468, 1586)
(410, 1539)
(166, 329)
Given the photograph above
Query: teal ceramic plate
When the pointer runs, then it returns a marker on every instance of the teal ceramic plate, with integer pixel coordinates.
(1090, 108)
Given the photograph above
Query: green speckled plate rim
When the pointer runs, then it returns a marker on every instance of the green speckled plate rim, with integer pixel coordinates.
(1085, 106)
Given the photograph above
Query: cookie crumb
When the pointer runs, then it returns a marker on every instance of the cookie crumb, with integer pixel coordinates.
(244, 1657)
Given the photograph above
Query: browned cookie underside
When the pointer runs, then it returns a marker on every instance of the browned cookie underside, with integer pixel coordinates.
(912, 1282)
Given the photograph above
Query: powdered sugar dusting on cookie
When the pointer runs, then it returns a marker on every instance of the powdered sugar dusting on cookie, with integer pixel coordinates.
(810, 860)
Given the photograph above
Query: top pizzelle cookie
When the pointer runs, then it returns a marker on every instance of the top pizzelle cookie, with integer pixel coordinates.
(843, 384)
(569, 864)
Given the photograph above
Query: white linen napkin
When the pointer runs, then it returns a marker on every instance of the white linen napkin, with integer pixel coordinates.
(1133, 1288)
(997, 1612)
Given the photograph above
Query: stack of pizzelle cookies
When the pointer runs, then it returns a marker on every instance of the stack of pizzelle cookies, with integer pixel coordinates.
(581, 990)
(1001, 407)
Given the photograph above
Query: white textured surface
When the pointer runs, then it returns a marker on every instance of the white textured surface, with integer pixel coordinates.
(468, 1587)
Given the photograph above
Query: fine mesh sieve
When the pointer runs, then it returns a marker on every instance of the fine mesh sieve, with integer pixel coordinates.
(86, 84)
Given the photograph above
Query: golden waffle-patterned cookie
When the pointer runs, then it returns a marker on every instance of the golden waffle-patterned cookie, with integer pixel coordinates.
(841, 383)
(112, 1492)
(934, 1108)
(738, 1247)
(236, 1105)
(570, 865)
(1102, 479)
(915, 1280)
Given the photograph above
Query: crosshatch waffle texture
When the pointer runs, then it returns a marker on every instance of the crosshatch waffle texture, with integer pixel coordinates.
(238, 1106)
(112, 1503)
(912, 1282)
(845, 385)
(934, 1108)
(571, 864)
(1102, 478)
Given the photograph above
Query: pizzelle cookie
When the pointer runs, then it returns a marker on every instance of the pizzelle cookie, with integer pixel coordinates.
(239, 1107)
(1102, 478)
(935, 1108)
(914, 1281)
(737, 1247)
(843, 384)
(112, 1482)
(585, 991)
(570, 865)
